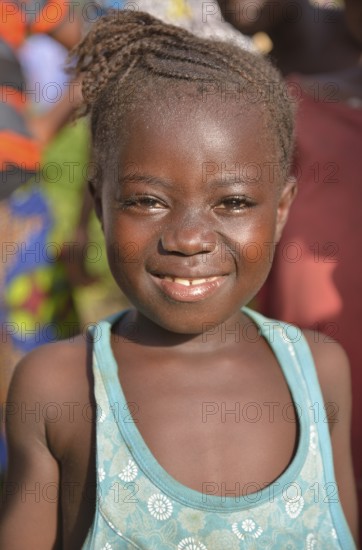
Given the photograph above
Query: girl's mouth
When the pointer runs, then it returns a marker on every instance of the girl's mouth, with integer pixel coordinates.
(188, 289)
(187, 282)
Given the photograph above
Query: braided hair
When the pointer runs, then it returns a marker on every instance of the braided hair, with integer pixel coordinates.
(127, 55)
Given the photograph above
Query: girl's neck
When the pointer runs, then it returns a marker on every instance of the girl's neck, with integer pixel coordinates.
(135, 327)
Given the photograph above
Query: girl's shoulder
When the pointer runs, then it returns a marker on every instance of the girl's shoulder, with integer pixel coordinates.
(50, 389)
(51, 369)
(333, 372)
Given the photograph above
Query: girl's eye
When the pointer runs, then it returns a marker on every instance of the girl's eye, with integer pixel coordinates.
(235, 204)
(148, 203)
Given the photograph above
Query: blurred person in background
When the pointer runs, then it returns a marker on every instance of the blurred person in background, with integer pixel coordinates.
(34, 299)
(305, 38)
(316, 279)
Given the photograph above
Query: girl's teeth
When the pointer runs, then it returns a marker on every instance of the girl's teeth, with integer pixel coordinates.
(185, 282)
(188, 282)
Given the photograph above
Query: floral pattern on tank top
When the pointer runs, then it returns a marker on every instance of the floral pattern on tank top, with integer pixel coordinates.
(138, 510)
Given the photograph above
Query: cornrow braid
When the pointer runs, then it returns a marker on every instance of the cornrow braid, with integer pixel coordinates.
(128, 51)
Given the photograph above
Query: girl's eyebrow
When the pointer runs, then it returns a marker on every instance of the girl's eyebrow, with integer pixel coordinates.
(229, 182)
(145, 178)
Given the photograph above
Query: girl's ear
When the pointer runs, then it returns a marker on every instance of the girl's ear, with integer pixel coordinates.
(285, 201)
(96, 200)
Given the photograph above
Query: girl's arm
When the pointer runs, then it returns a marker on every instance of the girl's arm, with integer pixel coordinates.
(29, 503)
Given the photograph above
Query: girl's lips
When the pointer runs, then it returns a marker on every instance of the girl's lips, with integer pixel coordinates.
(191, 289)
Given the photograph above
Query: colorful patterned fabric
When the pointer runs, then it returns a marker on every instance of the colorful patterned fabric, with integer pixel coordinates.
(37, 301)
(26, 278)
(21, 18)
(201, 18)
(36, 305)
(140, 506)
(33, 298)
(19, 152)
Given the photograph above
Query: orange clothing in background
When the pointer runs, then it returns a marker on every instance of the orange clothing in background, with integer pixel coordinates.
(19, 152)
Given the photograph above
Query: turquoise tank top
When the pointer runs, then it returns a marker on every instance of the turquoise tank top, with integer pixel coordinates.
(140, 506)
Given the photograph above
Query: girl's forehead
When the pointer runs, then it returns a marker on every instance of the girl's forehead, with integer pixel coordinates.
(208, 124)
(188, 142)
(170, 106)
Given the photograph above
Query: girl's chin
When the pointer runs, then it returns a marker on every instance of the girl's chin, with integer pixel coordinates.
(207, 325)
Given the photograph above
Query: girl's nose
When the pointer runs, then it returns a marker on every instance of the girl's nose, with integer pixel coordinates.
(188, 237)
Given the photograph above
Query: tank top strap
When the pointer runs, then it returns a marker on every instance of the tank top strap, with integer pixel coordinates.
(100, 334)
(292, 352)
(287, 338)
(291, 337)
(111, 402)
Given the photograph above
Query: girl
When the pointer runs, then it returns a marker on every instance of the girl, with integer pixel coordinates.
(186, 422)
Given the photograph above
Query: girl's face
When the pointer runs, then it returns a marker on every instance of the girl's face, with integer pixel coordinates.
(192, 217)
